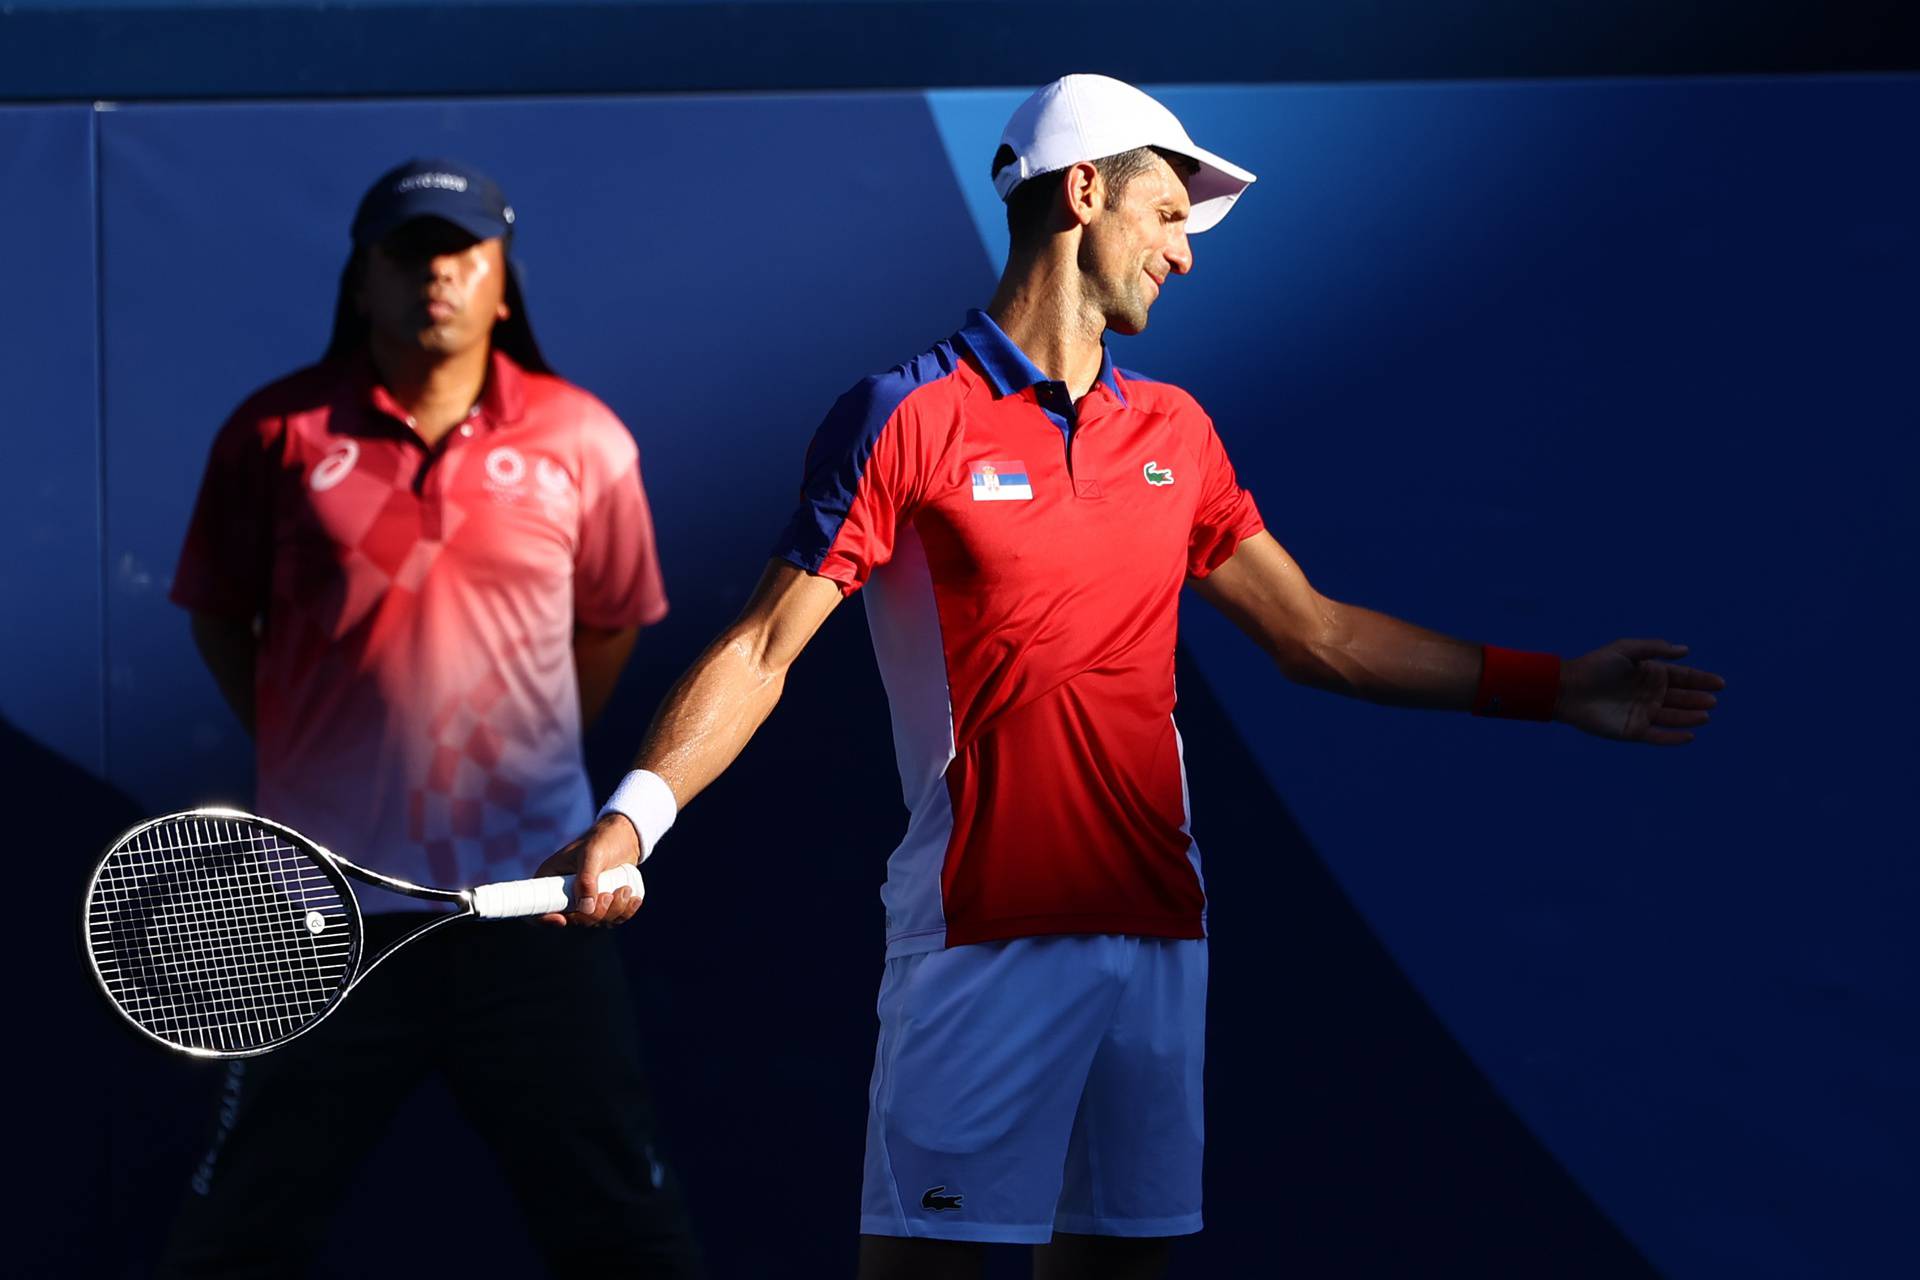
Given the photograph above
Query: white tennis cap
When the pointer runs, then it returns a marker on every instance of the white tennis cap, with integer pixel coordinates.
(1087, 117)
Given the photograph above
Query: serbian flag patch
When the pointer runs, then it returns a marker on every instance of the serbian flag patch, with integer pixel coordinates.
(1003, 481)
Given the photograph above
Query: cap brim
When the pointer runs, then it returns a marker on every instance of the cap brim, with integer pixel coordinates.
(1213, 189)
(446, 206)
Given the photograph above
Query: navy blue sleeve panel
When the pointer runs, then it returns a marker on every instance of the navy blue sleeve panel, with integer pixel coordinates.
(837, 463)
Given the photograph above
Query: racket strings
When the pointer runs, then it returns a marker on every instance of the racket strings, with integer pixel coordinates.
(236, 924)
(217, 934)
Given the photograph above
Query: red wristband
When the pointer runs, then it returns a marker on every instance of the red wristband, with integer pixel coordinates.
(1517, 685)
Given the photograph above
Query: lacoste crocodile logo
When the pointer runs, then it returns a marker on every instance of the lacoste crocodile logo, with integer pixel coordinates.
(939, 1203)
(1157, 475)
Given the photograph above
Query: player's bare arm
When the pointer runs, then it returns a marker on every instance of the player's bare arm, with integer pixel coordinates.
(707, 719)
(1630, 690)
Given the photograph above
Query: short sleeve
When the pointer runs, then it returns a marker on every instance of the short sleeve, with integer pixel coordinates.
(1226, 514)
(616, 566)
(226, 563)
(862, 478)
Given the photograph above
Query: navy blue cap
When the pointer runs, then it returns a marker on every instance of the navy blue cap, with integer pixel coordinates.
(447, 189)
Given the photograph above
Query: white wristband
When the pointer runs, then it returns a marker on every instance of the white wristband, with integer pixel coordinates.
(644, 799)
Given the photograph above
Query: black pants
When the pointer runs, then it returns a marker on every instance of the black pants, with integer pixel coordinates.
(532, 1029)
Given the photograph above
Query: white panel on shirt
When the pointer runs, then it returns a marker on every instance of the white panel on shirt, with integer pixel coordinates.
(905, 622)
(1186, 824)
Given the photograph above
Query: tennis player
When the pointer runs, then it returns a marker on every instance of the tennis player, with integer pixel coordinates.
(415, 570)
(1023, 515)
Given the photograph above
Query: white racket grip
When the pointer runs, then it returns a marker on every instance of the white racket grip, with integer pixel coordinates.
(512, 898)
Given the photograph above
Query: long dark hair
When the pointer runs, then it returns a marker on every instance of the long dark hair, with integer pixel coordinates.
(513, 336)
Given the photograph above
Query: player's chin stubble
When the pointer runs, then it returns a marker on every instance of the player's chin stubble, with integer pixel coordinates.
(1129, 314)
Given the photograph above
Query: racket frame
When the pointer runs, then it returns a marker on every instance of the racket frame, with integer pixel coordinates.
(339, 871)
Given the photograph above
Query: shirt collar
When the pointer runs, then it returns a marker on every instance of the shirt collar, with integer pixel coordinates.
(1007, 366)
(503, 399)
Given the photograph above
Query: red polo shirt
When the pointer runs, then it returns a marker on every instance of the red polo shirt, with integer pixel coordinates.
(1022, 558)
(416, 703)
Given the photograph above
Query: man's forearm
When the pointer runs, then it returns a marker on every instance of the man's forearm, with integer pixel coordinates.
(713, 710)
(1371, 655)
(1321, 642)
(705, 721)
(710, 715)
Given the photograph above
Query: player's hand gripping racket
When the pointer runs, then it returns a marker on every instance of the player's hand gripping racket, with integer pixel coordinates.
(223, 935)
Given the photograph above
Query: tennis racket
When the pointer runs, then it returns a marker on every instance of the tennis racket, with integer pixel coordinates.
(223, 935)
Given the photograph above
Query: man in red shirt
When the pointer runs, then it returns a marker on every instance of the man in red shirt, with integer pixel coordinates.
(416, 570)
(1022, 516)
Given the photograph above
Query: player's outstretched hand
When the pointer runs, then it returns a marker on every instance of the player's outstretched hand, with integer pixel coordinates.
(1628, 690)
(607, 843)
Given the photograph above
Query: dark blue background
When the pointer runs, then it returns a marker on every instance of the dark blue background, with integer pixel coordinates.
(1536, 363)
(198, 49)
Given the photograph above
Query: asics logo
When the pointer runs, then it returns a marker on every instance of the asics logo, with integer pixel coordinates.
(333, 468)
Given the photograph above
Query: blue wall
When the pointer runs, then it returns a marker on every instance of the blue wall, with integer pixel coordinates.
(1537, 363)
(198, 49)
(49, 326)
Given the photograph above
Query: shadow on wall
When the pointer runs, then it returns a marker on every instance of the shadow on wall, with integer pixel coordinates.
(109, 1123)
(1348, 1133)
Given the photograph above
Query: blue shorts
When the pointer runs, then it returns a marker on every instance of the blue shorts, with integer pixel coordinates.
(1038, 1085)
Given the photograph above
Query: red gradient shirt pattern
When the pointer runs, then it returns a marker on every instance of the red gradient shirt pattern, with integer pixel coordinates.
(416, 700)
